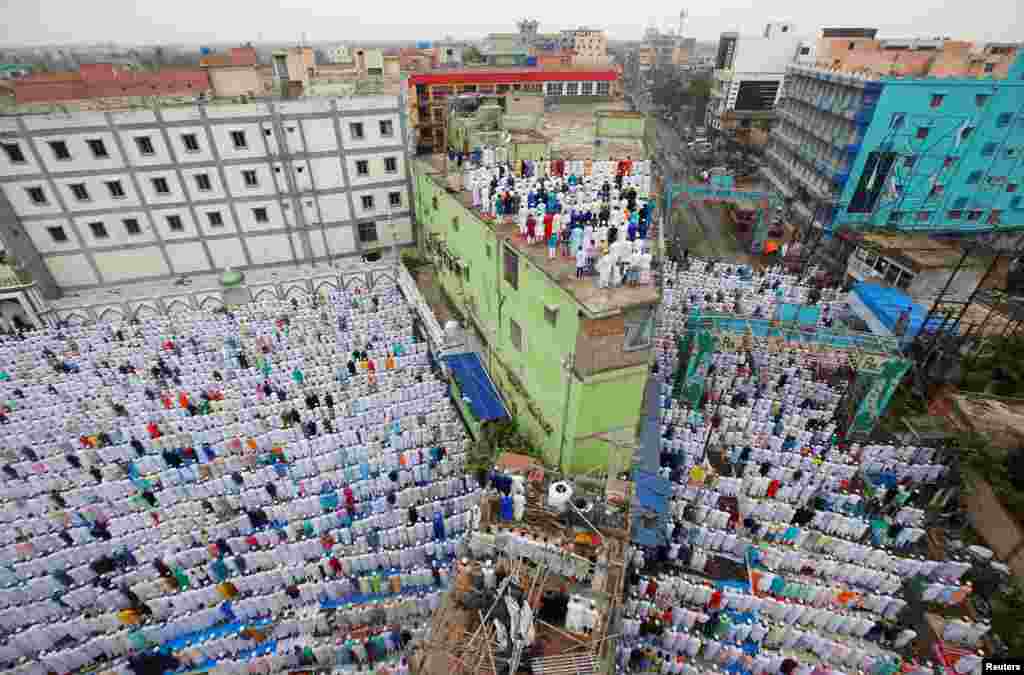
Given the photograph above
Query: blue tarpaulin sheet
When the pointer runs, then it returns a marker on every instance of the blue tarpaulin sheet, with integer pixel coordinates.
(887, 303)
(808, 316)
(650, 513)
(476, 386)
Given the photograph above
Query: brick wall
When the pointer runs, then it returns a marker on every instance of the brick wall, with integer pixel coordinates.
(952, 60)
(599, 346)
(100, 80)
(238, 81)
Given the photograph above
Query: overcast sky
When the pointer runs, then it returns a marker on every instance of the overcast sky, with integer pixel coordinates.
(198, 21)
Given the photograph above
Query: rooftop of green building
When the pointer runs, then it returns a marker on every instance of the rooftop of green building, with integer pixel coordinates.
(596, 302)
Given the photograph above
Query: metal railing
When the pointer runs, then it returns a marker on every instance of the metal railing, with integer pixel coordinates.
(791, 330)
(12, 277)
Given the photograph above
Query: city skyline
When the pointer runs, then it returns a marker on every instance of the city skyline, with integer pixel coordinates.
(50, 23)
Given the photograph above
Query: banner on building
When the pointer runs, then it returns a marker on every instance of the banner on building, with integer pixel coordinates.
(887, 373)
(702, 350)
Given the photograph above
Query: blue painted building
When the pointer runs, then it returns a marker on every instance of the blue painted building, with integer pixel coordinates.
(926, 154)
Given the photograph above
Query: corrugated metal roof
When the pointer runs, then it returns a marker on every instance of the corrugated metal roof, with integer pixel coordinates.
(475, 385)
(650, 508)
(566, 664)
(888, 303)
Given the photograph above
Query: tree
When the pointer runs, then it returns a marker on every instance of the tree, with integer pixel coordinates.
(668, 95)
(699, 88)
(668, 89)
(978, 457)
(999, 369)
(497, 437)
(1008, 618)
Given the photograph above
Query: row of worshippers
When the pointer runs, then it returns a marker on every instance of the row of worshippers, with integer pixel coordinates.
(496, 191)
(731, 288)
(706, 618)
(609, 226)
(90, 485)
(793, 512)
(527, 168)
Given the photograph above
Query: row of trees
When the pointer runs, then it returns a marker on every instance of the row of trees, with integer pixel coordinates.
(998, 369)
(673, 91)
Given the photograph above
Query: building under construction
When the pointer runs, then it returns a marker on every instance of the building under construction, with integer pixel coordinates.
(540, 587)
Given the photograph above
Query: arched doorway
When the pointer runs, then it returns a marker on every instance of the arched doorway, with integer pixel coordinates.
(13, 317)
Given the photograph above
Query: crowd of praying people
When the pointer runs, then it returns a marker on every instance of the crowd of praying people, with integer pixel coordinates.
(596, 212)
(707, 286)
(276, 486)
(787, 549)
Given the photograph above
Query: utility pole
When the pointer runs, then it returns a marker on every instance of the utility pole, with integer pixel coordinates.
(568, 363)
(447, 118)
(391, 229)
(711, 429)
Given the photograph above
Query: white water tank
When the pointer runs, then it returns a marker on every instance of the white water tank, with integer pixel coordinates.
(559, 494)
(574, 614)
(451, 331)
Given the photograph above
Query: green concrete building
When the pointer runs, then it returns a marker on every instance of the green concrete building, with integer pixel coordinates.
(570, 359)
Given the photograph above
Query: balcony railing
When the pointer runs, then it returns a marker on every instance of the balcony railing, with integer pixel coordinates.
(11, 277)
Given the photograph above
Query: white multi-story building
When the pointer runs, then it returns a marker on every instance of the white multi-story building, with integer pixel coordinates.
(94, 199)
(748, 76)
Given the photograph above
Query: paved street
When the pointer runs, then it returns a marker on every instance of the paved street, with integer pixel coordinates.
(698, 225)
(648, 451)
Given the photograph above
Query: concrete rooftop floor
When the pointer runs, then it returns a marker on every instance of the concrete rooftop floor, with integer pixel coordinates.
(570, 129)
(563, 271)
(596, 301)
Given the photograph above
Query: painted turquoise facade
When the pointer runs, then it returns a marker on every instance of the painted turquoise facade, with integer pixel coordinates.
(943, 155)
(930, 155)
(581, 418)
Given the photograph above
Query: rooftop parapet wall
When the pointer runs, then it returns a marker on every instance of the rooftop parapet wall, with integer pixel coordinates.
(917, 59)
